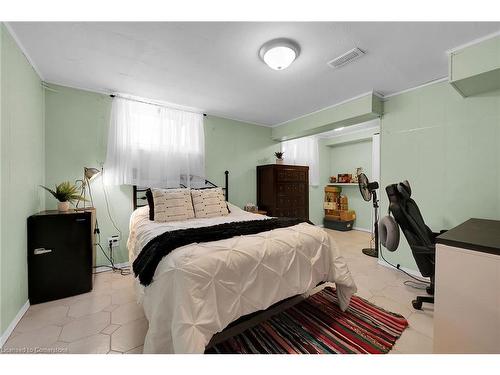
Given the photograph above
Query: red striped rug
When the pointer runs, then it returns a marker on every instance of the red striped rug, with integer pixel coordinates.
(317, 325)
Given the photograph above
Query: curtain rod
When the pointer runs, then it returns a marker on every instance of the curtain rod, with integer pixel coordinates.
(142, 101)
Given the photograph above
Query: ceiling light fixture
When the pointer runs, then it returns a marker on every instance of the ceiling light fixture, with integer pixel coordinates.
(278, 54)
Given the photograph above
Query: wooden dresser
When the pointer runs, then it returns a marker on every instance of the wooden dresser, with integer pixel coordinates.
(283, 190)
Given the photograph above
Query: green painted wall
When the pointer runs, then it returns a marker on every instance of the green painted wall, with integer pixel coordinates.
(237, 147)
(22, 170)
(475, 59)
(2, 329)
(76, 136)
(3, 324)
(76, 132)
(355, 111)
(476, 69)
(345, 158)
(447, 147)
(357, 136)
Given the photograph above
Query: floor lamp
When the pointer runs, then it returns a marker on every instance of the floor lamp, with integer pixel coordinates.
(88, 175)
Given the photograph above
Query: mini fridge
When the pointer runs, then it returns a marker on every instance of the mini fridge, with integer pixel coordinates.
(60, 254)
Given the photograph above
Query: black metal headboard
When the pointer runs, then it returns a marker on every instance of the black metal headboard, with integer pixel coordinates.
(139, 193)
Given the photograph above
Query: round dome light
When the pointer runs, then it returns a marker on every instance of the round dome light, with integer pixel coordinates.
(278, 54)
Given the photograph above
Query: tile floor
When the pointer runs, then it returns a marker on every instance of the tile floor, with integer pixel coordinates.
(108, 320)
(384, 287)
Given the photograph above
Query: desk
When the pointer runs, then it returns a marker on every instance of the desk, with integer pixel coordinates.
(467, 294)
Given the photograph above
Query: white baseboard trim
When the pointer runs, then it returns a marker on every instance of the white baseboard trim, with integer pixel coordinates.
(407, 270)
(5, 336)
(362, 229)
(118, 265)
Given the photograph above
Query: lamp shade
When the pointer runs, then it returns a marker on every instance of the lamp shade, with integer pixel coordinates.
(279, 53)
(90, 173)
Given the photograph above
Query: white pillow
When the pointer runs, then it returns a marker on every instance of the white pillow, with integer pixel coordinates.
(172, 204)
(209, 203)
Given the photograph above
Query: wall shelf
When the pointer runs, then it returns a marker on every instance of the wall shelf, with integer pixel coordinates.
(343, 184)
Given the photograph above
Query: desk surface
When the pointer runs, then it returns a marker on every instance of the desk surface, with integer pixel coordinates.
(474, 234)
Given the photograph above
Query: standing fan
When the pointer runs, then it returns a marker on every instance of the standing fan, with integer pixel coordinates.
(368, 192)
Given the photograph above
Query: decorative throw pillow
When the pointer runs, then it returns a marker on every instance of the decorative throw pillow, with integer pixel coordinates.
(172, 204)
(209, 203)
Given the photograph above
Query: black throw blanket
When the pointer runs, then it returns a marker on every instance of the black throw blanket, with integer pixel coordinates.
(148, 259)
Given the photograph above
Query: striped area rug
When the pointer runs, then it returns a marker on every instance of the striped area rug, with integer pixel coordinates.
(317, 325)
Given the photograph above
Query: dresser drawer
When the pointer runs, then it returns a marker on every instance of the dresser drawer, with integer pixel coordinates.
(289, 174)
(291, 212)
(291, 188)
(290, 201)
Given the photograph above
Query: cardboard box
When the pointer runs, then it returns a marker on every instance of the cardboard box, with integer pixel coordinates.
(334, 216)
(347, 215)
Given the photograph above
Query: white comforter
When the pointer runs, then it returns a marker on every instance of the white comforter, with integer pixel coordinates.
(198, 289)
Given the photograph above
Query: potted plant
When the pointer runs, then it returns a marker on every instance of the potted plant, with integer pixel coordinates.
(279, 157)
(65, 193)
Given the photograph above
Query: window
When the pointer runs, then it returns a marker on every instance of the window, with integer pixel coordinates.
(303, 151)
(152, 145)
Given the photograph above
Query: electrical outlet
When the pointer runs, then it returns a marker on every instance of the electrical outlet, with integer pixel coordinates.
(114, 241)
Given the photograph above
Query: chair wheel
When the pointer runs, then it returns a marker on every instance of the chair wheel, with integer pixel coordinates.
(429, 290)
(417, 304)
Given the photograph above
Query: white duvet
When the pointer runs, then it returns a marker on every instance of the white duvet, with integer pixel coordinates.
(199, 289)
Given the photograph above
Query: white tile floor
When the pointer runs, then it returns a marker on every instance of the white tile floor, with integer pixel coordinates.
(108, 320)
(384, 287)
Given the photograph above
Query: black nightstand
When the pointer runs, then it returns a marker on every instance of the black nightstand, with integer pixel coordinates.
(60, 254)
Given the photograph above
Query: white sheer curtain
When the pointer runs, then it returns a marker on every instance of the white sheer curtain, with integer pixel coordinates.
(303, 151)
(152, 145)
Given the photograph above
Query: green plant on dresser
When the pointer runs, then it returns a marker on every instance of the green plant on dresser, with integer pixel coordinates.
(65, 193)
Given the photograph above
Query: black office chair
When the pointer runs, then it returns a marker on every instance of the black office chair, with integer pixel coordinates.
(421, 239)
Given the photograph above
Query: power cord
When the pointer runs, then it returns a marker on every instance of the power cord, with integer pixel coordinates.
(415, 285)
(419, 284)
(124, 271)
(107, 205)
(408, 282)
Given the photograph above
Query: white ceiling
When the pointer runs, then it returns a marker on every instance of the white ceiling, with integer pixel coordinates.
(215, 66)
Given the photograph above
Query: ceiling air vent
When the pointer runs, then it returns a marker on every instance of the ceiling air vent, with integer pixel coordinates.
(346, 58)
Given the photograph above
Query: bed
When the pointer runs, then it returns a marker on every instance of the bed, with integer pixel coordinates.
(199, 289)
